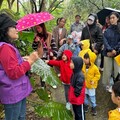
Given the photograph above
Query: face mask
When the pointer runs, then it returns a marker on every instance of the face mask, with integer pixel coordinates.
(90, 22)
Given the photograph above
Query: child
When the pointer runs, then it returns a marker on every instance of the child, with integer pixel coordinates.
(65, 71)
(85, 46)
(92, 75)
(77, 88)
(115, 96)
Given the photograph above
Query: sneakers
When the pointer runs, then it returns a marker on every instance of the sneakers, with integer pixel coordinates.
(94, 112)
(54, 86)
(101, 69)
(68, 105)
(86, 108)
(59, 75)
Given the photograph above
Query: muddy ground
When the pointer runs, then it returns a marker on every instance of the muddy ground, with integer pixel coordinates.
(104, 103)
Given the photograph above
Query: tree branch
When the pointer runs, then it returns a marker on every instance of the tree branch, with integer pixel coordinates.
(56, 6)
(40, 3)
(52, 4)
(34, 5)
(103, 4)
(94, 4)
(23, 7)
(12, 2)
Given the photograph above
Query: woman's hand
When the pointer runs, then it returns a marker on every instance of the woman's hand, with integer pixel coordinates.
(95, 51)
(33, 57)
(114, 52)
(111, 54)
(61, 41)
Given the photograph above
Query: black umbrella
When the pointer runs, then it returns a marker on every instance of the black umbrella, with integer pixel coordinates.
(102, 14)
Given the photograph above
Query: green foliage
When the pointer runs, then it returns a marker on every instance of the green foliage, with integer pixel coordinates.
(57, 14)
(46, 72)
(32, 81)
(24, 44)
(11, 13)
(48, 108)
(54, 110)
(85, 7)
(1, 1)
(1, 112)
(44, 95)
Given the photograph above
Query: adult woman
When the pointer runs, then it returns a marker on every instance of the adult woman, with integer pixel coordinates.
(93, 32)
(60, 33)
(111, 48)
(49, 46)
(14, 83)
(48, 42)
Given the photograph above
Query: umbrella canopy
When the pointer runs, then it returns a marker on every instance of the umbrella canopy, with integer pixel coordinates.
(31, 20)
(102, 14)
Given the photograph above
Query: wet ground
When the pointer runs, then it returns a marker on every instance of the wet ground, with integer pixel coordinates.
(104, 103)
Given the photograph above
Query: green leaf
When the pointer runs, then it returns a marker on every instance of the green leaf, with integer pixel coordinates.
(43, 95)
(54, 110)
(46, 72)
(29, 36)
(32, 81)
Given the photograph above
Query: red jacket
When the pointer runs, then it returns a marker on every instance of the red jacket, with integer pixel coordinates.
(76, 100)
(65, 69)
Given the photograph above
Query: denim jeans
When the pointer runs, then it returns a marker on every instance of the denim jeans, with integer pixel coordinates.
(91, 100)
(15, 111)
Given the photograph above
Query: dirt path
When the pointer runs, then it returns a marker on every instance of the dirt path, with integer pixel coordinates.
(104, 103)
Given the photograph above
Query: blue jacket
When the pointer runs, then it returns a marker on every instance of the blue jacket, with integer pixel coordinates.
(111, 39)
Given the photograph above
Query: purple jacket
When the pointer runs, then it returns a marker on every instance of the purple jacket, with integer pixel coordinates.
(13, 91)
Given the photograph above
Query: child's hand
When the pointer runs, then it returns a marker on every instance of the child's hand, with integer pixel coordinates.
(51, 54)
(91, 82)
(46, 61)
(54, 58)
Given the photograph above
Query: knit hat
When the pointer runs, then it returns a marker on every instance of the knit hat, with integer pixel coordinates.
(6, 21)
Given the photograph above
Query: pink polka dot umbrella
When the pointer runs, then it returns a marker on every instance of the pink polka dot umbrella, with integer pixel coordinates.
(31, 20)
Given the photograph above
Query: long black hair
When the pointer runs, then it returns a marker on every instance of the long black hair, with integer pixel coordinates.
(44, 33)
(118, 22)
(116, 14)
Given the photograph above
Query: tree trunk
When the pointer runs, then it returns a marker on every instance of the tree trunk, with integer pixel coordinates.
(43, 7)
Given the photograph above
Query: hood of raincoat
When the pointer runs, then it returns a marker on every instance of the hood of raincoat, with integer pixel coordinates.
(78, 64)
(85, 44)
(92, 56)
(69, 54)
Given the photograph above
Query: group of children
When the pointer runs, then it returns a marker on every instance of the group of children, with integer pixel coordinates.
(80, 77)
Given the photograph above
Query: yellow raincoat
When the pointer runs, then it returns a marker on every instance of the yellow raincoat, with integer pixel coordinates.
(117, 58)
(85, 48)
(114, 115)
(93, 74)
